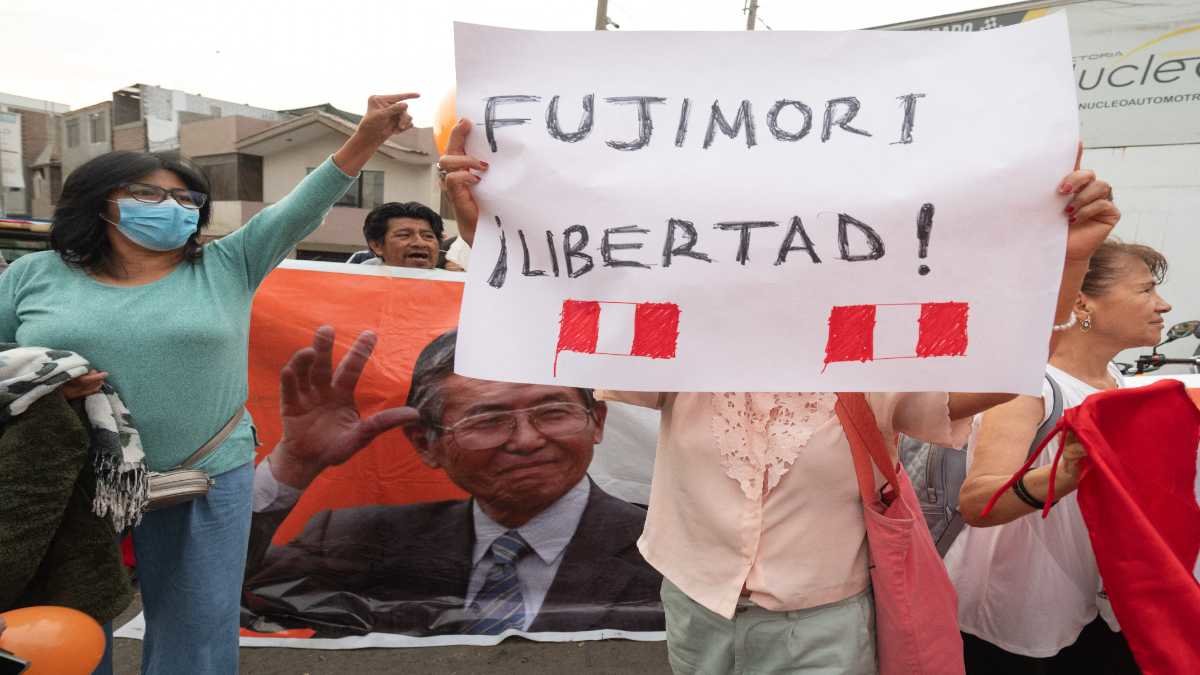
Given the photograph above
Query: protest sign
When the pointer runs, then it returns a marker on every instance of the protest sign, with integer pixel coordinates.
(766, 211)
(409, 588)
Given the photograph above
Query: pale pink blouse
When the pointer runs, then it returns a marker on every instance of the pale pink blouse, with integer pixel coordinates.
(755, 493)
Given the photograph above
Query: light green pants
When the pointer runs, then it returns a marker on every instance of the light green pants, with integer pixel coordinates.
(833, 639)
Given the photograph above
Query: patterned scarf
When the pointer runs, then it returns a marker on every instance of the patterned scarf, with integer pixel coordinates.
(29, 373)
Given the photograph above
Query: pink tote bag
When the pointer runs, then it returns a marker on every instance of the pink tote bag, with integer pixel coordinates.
(916, 609)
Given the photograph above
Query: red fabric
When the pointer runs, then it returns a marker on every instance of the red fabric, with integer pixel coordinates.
(943, 329)
(1137, 492)
(916, 609)
(579, 327)
(655, 330)
(1138, 497)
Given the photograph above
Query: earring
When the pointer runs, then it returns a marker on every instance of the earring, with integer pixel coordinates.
(1086, 324)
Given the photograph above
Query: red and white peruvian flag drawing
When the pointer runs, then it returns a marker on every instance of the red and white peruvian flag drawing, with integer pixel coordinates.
(645, 329)
(896, 331)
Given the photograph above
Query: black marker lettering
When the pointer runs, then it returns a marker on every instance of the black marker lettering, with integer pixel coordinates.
(670, 250)
(851, 104)
(773, 120)
(500, 271)
(797, 228)
(645, 123)
(909, 101)
(873, 239)
(743, 252)
(607, 247)
(572, 251)
(490, 122)
(717, 119)
(585, 124)
(681, 132)
(553, 252)
(525, 264)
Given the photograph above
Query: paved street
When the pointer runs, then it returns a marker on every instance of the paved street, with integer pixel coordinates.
(513, 656)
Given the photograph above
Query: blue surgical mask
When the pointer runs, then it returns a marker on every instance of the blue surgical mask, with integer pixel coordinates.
(165, 226)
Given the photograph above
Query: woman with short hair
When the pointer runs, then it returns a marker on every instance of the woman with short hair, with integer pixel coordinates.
(1029, 591)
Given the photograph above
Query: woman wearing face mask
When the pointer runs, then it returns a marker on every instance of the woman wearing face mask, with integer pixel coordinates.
(166, 321)
(1030, 596)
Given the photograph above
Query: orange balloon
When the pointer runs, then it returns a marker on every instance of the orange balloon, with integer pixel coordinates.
(55, 640)
(443, 123)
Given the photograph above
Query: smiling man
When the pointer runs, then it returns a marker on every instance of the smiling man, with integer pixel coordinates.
(403, 234)
(538, 546)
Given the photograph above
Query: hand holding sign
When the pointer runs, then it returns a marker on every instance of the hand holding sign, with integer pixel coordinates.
(455, 167)
(321, 424)
(1091, 213)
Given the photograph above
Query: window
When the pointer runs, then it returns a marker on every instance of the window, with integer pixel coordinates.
(73, 133)
(98, 127)
(365, 193)
(372, 189)
(214, 111)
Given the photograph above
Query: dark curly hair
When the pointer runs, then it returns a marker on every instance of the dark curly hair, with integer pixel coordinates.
(375, 227)
(78, 233)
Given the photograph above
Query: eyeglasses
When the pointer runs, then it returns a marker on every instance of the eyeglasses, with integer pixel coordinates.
(491, 430)
(153, 194)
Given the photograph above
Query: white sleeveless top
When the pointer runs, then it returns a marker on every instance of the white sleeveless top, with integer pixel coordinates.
(1031, 585)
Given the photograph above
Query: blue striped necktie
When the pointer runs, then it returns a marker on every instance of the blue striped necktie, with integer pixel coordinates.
(499, 604)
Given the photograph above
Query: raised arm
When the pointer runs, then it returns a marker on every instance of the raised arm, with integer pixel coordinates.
(264, 241)
(1091, 216)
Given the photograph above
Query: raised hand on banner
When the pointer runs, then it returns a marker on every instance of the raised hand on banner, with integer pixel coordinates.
(321, 424)
(455, 167)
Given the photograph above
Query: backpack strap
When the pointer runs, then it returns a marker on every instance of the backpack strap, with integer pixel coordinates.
(1056, 411)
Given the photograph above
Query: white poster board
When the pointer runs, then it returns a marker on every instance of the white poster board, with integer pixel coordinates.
(777, 211)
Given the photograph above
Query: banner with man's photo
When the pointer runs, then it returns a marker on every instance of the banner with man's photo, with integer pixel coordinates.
(474, 524)
(503, 510)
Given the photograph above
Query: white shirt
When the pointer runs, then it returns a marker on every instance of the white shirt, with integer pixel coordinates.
(1031, 585)
(459, 253)
(547, 534)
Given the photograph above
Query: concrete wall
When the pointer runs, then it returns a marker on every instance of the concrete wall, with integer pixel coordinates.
(162, 108)
(401, 182)
(45, 186)
(131, 136)
(217, 136)
(87, 148)
(1157, 189)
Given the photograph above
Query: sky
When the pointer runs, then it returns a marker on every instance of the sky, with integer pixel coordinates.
(282, 55)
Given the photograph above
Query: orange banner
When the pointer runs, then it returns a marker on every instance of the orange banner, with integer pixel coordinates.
(406, 314)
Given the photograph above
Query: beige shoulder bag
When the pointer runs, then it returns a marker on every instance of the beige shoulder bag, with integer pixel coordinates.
(183, 483)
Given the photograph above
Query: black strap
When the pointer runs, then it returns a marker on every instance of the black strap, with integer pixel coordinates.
(1056, 412)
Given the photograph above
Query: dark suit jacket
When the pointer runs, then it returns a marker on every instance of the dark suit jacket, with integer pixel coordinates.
(405, 569)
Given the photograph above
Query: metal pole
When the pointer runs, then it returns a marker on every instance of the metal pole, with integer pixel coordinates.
(751, 14)
(601, 14)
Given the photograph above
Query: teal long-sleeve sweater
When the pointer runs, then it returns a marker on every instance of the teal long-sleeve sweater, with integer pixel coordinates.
(176, 348)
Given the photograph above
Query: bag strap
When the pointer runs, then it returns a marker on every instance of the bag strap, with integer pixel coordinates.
(216, 440)
(1056, 412)
(866, 443)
